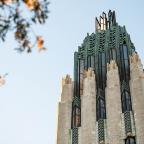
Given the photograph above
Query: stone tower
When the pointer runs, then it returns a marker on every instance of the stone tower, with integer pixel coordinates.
(104, 104)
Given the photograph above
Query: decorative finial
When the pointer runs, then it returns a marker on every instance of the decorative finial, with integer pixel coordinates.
(66, 80)
(89, 72)
(134, 58)
(112, 65)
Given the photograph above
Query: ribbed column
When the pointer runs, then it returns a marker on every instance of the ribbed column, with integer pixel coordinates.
(113, 104)
(137, 93)
(88, 109)
(64, 112)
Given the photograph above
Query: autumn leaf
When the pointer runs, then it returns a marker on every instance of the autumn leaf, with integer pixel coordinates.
(30, 3)
(40, 43)
(2, 81)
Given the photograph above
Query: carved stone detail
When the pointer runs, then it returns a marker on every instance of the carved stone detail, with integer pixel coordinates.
(66, 80)
(112, 65)
(89, 73)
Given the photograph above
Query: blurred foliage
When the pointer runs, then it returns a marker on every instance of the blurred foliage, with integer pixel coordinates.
(19, 16)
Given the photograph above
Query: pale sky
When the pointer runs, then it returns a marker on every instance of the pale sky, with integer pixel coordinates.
(28, 100)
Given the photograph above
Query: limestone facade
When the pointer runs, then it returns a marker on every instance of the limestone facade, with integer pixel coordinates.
(137, 94)
(88, 109)
(113, 105)
(64, 112)
(114, 128)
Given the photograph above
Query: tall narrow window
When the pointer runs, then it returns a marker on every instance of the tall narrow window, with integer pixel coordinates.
(76, 116)
(130, 140)
(89, 61)
(73, 117)
(93, 62)
(103, 69)
(100, 70)
(126, 101)
(81, 76)
(124, 62)
(100, 109)
(78, 79)
(114, 54)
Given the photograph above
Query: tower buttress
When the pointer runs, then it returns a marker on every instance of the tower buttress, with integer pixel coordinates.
(88, 109)
(137, 92)
(64, 112)
(113, 104)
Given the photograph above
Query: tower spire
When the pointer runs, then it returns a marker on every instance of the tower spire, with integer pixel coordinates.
(105, 21)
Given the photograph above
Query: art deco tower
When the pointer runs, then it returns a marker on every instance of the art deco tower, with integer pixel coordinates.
(105, 102)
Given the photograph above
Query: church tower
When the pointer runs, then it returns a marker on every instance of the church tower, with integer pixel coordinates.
(104, 104)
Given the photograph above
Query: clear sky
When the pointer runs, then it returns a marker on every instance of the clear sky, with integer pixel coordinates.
(28, 101)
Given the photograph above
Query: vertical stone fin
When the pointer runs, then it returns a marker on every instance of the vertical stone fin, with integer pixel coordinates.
(64, 111)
